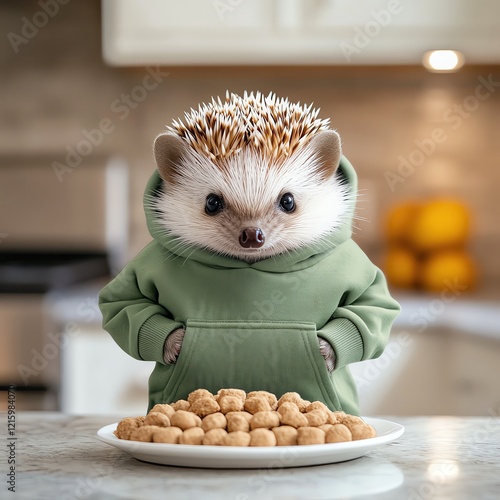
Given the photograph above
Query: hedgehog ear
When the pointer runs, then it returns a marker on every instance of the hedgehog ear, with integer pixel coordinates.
(169, 149)
(327, 148)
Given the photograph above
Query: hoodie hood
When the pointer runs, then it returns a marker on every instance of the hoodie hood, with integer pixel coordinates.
(286, 262)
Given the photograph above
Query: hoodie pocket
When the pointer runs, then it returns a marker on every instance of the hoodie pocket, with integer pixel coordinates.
(275, 356)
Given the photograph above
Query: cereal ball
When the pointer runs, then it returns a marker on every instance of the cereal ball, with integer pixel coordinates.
(255, 404)
(271, 398)
(238, 423)
(293, 397)
(373, 432)
(265, 420)
(125, 427)
(304, 405)
(294, 419)
(310, 435)
(199, 393)
(157, 418)
(237, 438)
(317, 405)
(144, 433)
(358, 427)
(339, 415)
(140, 420)
(289, 397)
(360, 431)
(290, 415)
(287, 406)
(262, 437)
(325, 427)
(169, 435)
(316, 417)
(239, 393)
(194, 435)
(182, 404)
(230, 403)
(346, 419)
(245, 414)
(214, 421)
(204, 406)
(185, 420)
(214, 437)
(331, 418)
(338, 433)
(286, 435)
(163, 408)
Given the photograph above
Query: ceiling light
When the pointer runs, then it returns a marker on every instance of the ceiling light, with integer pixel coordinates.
(443, 60)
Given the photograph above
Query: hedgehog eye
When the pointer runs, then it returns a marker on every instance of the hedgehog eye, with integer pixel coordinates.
(213, 204)
(287, 203)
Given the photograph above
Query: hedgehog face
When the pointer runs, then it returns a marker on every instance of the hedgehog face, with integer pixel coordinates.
(249, 206)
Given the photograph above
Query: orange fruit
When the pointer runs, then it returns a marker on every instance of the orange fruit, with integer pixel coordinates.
(401, 267)
(448, 268)
(399, 221)
(439, 224)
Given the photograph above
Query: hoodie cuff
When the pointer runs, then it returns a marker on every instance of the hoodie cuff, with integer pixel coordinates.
(345, 339)
(152, 336)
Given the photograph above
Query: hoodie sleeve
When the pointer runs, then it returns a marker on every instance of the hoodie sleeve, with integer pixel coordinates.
(359, 328)
(132, 315)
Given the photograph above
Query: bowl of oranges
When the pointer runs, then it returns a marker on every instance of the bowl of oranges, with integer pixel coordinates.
(427, 245)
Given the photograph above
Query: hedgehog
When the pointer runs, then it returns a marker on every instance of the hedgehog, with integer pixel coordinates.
(252, 279)
(250, 177)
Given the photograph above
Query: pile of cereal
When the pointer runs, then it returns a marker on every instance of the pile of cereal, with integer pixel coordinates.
(234, 418)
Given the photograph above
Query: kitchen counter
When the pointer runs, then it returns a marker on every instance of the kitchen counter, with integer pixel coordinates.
(59, 456)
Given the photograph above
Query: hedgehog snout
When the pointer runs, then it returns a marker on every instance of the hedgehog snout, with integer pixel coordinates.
(252, 237)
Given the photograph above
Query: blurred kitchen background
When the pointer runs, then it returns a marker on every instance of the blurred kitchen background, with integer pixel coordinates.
(86, 86)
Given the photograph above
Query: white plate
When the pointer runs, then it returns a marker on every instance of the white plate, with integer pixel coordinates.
(228, 457)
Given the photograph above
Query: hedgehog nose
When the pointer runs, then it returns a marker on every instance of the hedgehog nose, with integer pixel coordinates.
(252, 237)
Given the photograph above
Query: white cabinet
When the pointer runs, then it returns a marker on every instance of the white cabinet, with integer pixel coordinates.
(96, 376)
(433, 372)
(281, 32)
(99, 378)
(475, 376)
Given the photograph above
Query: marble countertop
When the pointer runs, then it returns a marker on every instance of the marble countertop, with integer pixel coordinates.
(59, 457)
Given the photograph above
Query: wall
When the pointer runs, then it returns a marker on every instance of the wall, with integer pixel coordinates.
(56, 86)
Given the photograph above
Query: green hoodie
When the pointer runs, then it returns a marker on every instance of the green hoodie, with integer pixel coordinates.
(251, 326)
